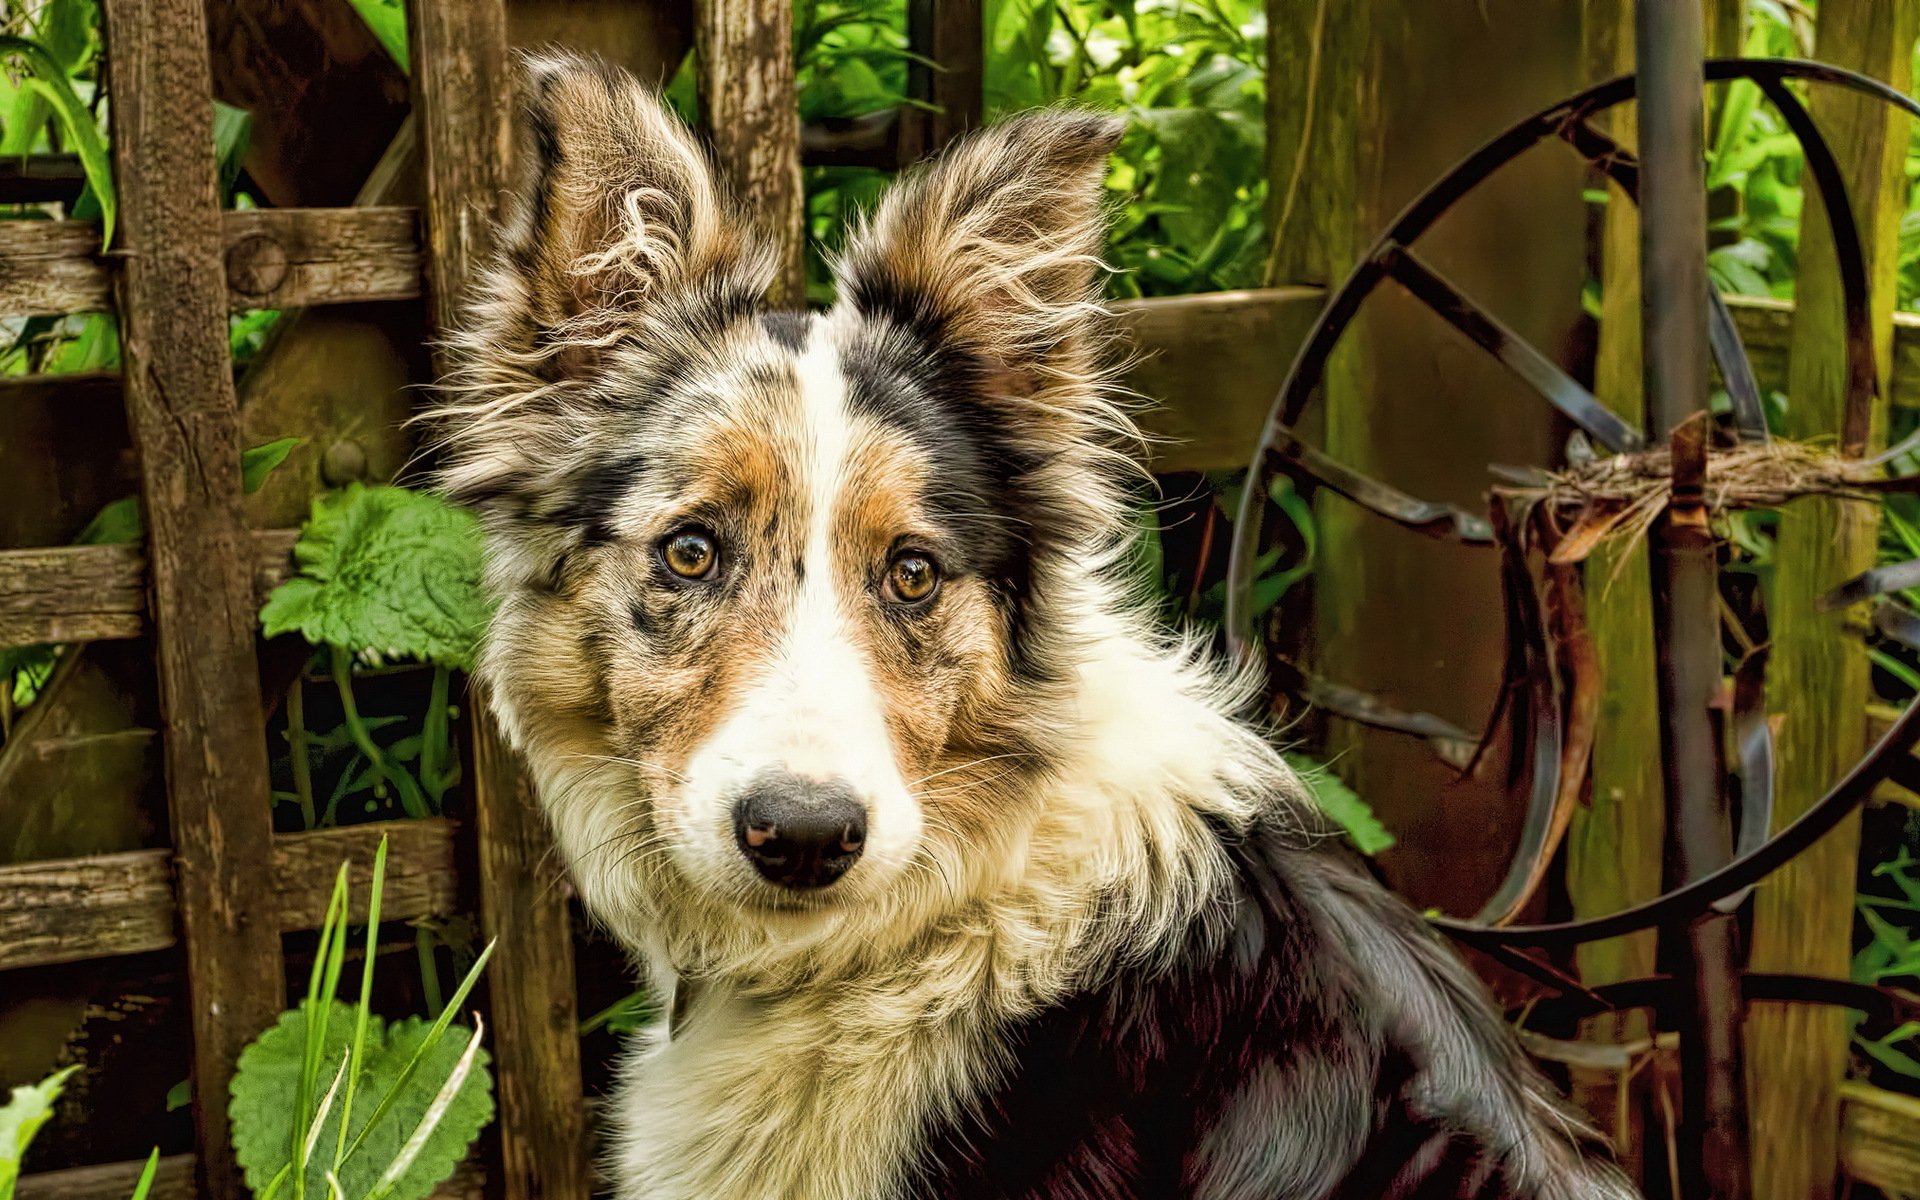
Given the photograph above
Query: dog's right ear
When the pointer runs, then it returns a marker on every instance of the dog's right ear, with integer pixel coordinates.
(617, 204)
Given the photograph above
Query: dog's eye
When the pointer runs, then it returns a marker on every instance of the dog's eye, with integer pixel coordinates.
(912, 578)
(690, 553)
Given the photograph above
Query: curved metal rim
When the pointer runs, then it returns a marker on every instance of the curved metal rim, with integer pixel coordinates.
(1391, 255)
(1419, 215)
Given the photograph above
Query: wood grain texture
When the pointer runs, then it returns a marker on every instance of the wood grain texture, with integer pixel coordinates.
(1880, 1138)
(752, 113)
(1211, 365)
(1819, 676)
(461, 103)
(100, 593)
(175, 1181)
(274, 258)
(949, 35)
(186, 430)
(72, 910)
(530, 985)
(1614, 842)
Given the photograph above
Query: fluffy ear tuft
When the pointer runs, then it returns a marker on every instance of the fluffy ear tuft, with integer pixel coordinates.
(621, 240)
(617, 202)
(995, 244)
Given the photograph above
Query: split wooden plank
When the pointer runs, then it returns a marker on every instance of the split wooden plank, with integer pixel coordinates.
(274, 258)
(949, 37)
(1614, 842)
(175, 1181)
(461, 92)
(745, 51)
(99, 593)
(1819, 675)
(186, 430)
(75, 909)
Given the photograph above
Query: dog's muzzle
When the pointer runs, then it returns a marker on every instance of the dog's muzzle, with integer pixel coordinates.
(800, 833)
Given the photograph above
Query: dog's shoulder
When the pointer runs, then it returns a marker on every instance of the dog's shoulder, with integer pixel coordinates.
(1311, 1022)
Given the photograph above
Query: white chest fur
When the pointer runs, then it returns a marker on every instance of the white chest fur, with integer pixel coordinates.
(821, 1097)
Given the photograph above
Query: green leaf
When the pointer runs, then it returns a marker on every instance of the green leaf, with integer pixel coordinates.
(387, 571)
(388, 21)
(49, 79)
(262, 1108)
(147, 1173)
(24, 1113)
(258, 463)
(1341, 803)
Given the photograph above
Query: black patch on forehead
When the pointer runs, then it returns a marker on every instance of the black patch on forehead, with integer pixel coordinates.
(592, 496)
(982, 474)
(787, 328)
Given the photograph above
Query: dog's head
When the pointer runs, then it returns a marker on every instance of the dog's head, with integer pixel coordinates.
(782, 594)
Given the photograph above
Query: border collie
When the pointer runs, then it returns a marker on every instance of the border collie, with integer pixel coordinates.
(959, 877)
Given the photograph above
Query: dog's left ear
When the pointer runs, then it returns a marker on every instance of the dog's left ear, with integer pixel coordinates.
(994, 246)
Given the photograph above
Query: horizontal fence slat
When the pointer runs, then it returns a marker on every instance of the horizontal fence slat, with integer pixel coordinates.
(71, 910)
(1880, 1138)
(1210, 364)
(275, 258)
(99, 593)
(174, 1181)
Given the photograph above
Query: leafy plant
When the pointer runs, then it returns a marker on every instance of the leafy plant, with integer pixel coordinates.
(49, 79)
(388, 573)
(298, 1107)
(21, 1117)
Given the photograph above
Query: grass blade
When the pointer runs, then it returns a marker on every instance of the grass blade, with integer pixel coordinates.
(366, 996)
(147, 1173)
(427, 1044)
(430, 1121)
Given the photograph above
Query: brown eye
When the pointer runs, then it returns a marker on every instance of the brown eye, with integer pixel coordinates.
(690, 553)
(911, 578)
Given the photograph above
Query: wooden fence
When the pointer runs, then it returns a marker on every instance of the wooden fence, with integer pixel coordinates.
(228, 887)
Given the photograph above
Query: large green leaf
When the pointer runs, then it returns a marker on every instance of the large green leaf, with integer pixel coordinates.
(21, 1118)
(386, 571)
(268, 1082)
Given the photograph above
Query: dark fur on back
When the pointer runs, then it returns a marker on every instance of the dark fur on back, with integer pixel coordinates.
(1138, 1088)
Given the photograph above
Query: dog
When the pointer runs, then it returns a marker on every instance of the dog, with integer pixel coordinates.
(956, 875)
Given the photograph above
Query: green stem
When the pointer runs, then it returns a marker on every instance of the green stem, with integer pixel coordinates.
(423, 941)
(411, 799)
(297, 745)
(433, 740)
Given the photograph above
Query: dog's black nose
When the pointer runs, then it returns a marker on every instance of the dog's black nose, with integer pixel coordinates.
(800, 833)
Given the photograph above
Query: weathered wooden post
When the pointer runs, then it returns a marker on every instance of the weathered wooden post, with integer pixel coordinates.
(753, 119)
(1803, 917)
(178, 385)
(1364, 110)
(462, 96)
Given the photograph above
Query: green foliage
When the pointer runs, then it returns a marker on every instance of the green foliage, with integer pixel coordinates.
(388, 21)
(1190, 76)
(1343, 804)
(298, 1111)
(20, 1118)
(385, 572)
(270, 1073)
(48, 78)
(629, 1014)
